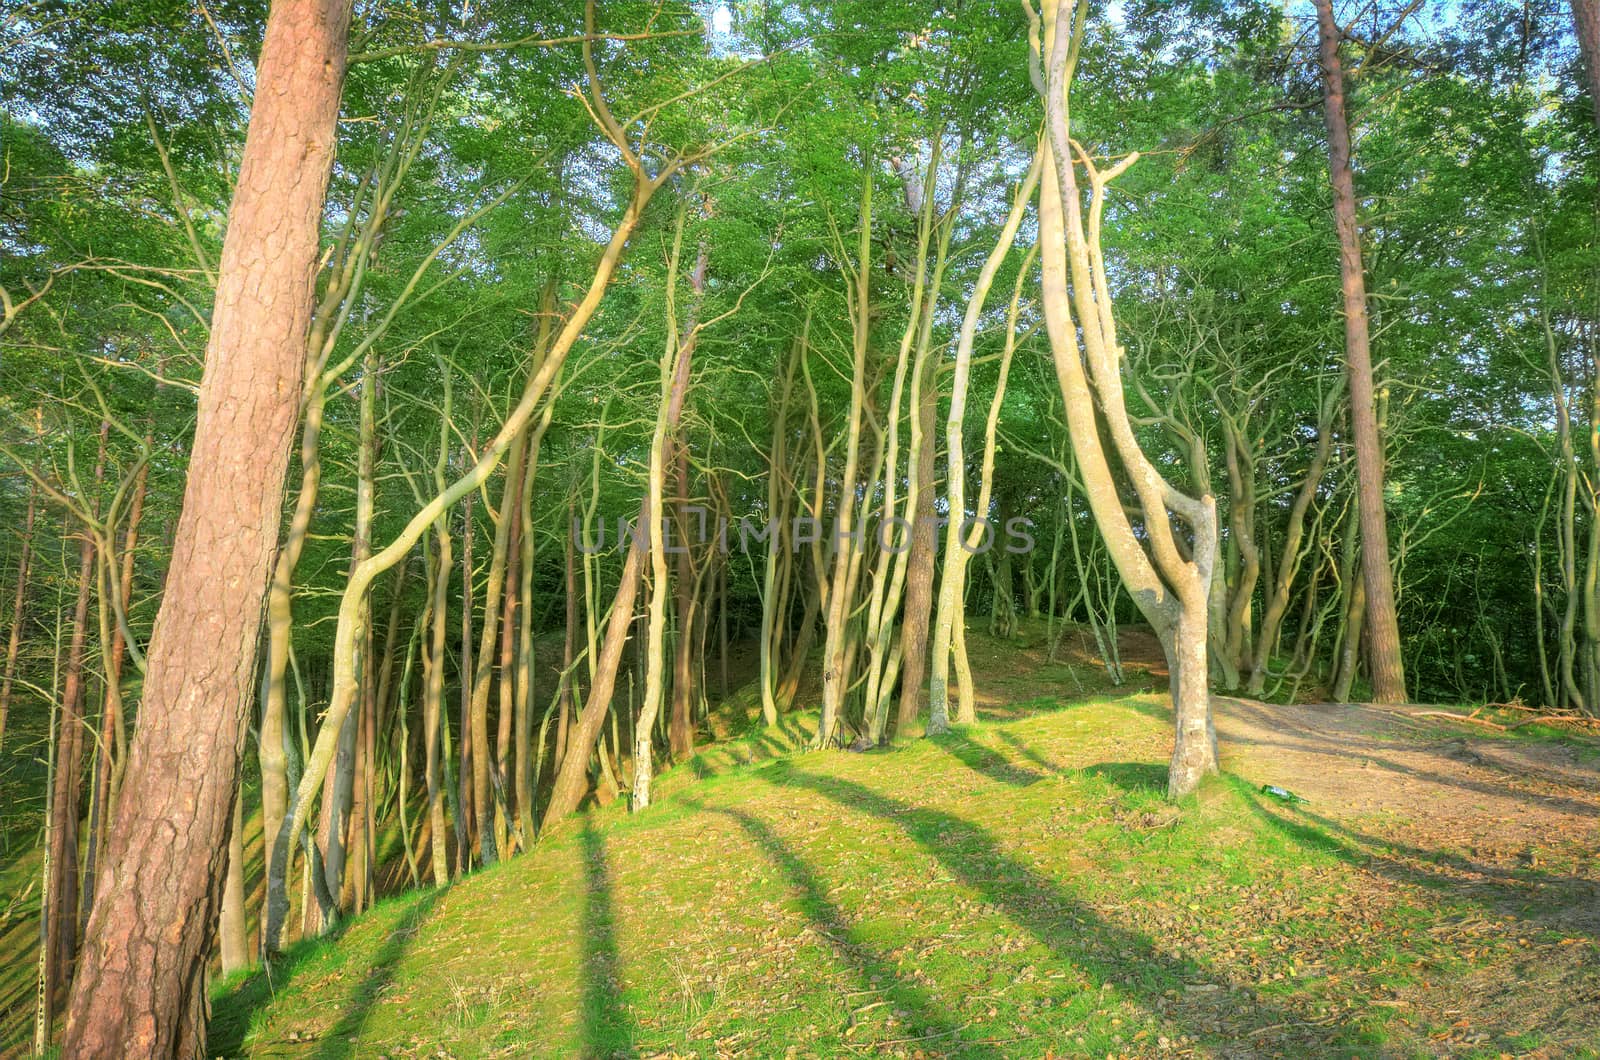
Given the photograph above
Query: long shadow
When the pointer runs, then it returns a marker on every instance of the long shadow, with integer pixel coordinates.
(988, 762)
(1530, 894)
(341, 1041)
(1077, 934)
(925, 1022)
(232, 1012)
(1028, 751)
(1141, 777)
(606, 1028)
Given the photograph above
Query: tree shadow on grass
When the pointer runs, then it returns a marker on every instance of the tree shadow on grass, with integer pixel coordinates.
(986, 761)
(1026, 751)
(606, 1029)
(924, 1022)
(1141, 778)
(229, 1029)
(342, 1039)
(1126, 959)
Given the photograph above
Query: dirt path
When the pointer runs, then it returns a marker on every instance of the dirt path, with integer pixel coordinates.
(1419, 807)
(1427, 781)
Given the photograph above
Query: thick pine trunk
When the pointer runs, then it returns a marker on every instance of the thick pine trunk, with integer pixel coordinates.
(140, 988)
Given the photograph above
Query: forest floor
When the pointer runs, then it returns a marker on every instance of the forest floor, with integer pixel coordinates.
(1020, 888)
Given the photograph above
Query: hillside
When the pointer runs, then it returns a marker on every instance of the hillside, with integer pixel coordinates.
(1020, 889)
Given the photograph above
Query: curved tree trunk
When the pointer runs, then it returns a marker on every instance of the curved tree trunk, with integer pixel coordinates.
(1171, 590)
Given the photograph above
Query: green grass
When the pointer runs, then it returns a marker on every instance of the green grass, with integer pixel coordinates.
(1014, 887)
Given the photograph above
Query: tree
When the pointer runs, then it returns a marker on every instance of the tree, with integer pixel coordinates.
(1383, 627)
(1172, 591)
(140, 987)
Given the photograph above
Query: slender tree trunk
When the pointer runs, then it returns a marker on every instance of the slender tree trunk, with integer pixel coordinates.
(774, 597)
(1288, 566)
(61, 893)
(113, 747)
(484, 767)
(1383, 629)
(1354, 611)
(569, 641)
(510, 604)
(961, 540)
(675, 375)
(140, 989)
(18, 600)
(920, 563)
(233, 929)
(433, 705)
(466, 820)
(846, 548)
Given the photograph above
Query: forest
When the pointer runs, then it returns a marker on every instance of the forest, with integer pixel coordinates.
(763, 528)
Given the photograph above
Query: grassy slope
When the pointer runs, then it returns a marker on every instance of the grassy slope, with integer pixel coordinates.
(1017, 889)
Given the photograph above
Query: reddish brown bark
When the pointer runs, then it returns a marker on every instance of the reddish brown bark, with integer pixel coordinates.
(919, 567)
(140, 989)
(113, 741)
(61, 888)
(1383, 629)
(680, 726)
(1586, 23)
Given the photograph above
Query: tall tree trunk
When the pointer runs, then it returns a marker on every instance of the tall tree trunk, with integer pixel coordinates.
(569, 641)
(1383, 629)
(466, 820)
(113, 731)
(680, 730)
(1586, 23)
(779, 561)
(961, 540)
(18, 600)
(140, 990)
(846, 548)
(484, 767)
(675, 374)
(61, 891)
(920, 564)
(433, 705)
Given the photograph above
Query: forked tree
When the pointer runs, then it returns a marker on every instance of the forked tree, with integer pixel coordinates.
(1170, 582)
